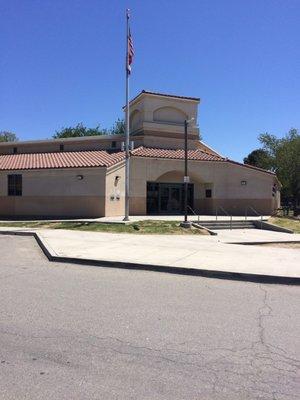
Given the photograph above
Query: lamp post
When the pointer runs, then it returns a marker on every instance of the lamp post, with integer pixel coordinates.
(186, 223)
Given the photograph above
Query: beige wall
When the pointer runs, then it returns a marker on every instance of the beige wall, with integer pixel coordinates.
(79, 144)
(115, 191)
(99, 193)
(56, 193)
(223, 178)
(55, 206)
(154, 113)
(163, 109)
(167, 141)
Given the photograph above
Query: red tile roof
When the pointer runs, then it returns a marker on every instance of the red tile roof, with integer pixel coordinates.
(101, 158)
(76, 159)
(197, 155)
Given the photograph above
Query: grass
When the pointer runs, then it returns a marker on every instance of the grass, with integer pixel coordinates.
(142, 227)
(286, 222)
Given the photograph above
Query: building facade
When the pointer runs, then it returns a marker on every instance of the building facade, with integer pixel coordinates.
(85, 177)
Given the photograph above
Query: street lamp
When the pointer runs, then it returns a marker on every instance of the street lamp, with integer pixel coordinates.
(186, 223)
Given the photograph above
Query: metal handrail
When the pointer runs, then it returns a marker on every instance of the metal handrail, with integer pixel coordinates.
(196, 215)
(223, 209)
(256, 212)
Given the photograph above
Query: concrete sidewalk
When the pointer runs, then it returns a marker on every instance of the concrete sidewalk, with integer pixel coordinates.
(240, 236)
(179, 252)
(136, 218)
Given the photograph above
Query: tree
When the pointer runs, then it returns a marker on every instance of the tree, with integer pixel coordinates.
(270, 143)
(118, 127)
(6, 136)
(284, 157)
(79, 130)
(287, 163)
(259, 158)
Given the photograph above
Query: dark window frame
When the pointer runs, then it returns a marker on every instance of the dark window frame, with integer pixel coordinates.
(14, 185)
(208, 193)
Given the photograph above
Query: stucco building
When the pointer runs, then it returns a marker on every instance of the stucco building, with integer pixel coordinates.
(85, 177)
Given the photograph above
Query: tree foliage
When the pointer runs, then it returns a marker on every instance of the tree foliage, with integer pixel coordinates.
(259, 158)
(286, 160)
(6, 136)
(283, 156)
(78, 130)
(118, 127)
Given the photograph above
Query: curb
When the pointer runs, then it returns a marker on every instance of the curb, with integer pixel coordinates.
(259, 243)
(235, 276)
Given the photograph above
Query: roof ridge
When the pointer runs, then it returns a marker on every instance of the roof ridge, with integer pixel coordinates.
(163, 95)
(169, 95)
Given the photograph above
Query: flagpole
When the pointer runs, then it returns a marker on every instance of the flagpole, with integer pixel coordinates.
(127, 155)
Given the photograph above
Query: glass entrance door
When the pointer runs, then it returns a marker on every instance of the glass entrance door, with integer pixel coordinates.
(167, 198)
(170, 199)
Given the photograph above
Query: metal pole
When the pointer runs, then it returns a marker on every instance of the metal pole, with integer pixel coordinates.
(127, 155)
(185, 171)
(186, 223)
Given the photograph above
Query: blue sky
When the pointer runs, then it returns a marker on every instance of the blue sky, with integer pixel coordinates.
(62, 62)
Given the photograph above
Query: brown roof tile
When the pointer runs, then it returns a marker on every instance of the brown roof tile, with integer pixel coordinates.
(197, 155)
(101, 158)
(76, 159)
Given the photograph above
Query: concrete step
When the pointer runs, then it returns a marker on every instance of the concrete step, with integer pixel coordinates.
(238, 225)
(226, 223)
(213, 228)
(214, 225)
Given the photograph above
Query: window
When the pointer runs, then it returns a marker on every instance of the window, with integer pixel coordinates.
(14, 183)
(15, 150)
(61, 147)
(208, 193)
(114, 144)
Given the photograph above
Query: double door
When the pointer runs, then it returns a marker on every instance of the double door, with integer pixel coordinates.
(167, 198)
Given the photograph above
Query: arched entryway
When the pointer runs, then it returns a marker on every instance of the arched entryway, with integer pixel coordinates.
(165, 195)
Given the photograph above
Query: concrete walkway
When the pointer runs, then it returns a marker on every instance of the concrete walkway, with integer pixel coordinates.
(190, 252)
(136, 218)
(240, 236)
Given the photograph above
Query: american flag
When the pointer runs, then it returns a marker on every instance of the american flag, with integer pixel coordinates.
(130, 52)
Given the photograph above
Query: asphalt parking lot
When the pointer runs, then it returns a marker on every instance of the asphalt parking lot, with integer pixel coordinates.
(80, 332)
